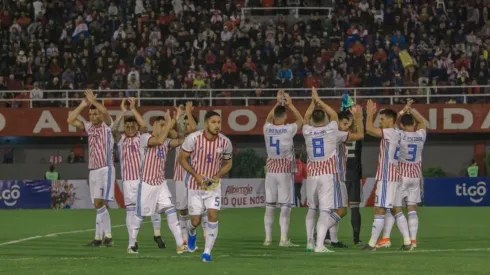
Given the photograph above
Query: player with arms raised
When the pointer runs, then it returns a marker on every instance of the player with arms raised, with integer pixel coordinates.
(153, 194)
(180, 174)
(410, 166)
(324, 190)
(205, 154)
(100, 164)
(388, 182)
(280, 166)
(128, 144)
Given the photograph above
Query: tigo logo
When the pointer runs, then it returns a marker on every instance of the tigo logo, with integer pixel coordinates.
(10, 196)
(476, 193)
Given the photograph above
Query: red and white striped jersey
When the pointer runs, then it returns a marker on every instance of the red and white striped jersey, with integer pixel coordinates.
(100, 145)
(411, 147)
(321, 146)
(130, 158)
(179, 171)
(206, 156)
(342, 155)
(389, 150)
(153, 164)
(280, 147)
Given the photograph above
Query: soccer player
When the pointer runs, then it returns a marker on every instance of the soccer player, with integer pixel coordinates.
(128, 145)
(153, 194)
(410, 165)
(388, 182)
(280, 166)
(180, 174)
(205, 154)
(323, 187)
(101, 165)
(350, 124)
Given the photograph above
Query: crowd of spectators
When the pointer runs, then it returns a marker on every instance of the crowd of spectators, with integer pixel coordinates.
(122, 46)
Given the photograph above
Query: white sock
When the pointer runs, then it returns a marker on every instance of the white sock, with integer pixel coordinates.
(284, 222)
(326, 220)
(99, 232)
(191, 228)
(402, 224)
(269, 221)
(212, 234)
(173, 225)
(334, 233)
(413, 224)
(310, 224)
(135, 228)
(106, 221)
(183, 225)
(204, 222)
(379, 222)
(388, 226)
(156, 220)
(130, 212)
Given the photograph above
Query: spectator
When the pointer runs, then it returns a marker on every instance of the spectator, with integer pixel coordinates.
(51, 174)
(472, 170)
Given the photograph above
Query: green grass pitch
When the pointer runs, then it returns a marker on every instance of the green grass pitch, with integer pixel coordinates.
(451, 241)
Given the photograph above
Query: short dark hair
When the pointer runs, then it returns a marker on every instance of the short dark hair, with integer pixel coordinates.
(130, 119)
(193, 116)
(389, 113)
(318, 115)
(160, 118)
(344, 115)
(210, 114)
(92, 107)
(279, 111)
(407, 120)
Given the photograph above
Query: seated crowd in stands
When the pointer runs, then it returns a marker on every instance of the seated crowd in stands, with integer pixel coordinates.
(119, 47)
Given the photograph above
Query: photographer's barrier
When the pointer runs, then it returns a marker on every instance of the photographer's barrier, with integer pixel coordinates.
(236, 193)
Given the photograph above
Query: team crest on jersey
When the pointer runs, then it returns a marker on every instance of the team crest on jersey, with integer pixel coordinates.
(219, 150)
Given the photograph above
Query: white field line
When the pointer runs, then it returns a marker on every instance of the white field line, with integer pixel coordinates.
(264, 255)
(58, 233)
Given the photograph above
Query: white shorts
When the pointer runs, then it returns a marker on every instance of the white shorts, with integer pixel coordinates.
(411, 190)
(180, 195)
(388, 194)
(130, 191)
(101, 182)
(325, 192)
(279, 188)
(200, 200)
(152, 199)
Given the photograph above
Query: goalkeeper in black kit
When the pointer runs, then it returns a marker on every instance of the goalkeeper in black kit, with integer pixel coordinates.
(353, 181)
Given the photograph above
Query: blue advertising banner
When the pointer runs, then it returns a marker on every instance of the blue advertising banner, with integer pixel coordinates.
(456, 191)
(15, 194)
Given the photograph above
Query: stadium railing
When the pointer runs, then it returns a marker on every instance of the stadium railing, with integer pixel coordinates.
(388, 95)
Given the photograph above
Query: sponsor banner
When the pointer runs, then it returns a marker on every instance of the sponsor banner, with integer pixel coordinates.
(17, 194)
(74, 194)
(456, 191)
(442, 118)
(242, 193)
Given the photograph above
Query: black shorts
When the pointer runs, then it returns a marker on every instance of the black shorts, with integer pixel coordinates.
(354, 190)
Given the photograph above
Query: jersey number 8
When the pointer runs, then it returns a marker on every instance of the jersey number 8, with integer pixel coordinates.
(318, 147)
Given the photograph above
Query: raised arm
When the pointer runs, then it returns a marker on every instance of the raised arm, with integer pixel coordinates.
(73, 117)
(163, 133)
(332, 114)
(176, 142)
(270, 116)
(309, 112)
(357, 115)
(405, 110)
(92, 99)
(420, 120)
(370, 129)
(139, 119)
(117, 123)
(297, 114)
(190, 119)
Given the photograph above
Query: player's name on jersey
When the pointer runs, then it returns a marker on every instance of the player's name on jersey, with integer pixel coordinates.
(243, 120)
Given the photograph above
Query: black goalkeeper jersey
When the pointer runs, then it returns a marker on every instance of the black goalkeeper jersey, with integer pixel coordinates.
(354, 157)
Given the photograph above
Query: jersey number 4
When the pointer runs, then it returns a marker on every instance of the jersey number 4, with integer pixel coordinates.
(275, 144)
(318, 147)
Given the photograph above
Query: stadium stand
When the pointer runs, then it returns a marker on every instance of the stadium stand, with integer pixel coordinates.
(123, 46)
